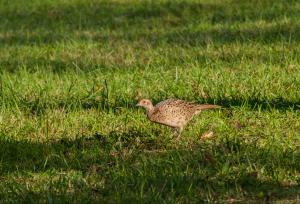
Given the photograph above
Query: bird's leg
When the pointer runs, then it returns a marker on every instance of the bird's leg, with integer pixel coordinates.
(177, 132)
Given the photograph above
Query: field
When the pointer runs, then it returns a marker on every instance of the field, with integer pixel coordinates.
(71, 72)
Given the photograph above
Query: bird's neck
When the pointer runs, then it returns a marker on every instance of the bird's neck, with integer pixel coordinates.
(149, 110)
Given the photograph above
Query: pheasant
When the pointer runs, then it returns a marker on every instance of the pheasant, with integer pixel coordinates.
(174, 113)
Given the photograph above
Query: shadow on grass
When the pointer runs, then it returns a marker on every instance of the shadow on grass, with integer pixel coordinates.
(39, 107)
(255, 103)
(65, 153)
(150, 23)
(133, 161)
(48, 24)
(183, 37)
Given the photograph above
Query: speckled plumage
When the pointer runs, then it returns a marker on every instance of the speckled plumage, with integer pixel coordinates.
(174, 113)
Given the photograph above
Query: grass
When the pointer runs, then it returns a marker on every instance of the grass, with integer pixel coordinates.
(71, 72)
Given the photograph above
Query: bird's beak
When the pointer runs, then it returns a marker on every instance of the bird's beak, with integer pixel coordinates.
(137, 105)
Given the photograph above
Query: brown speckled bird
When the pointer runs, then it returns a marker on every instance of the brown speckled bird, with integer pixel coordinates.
(174, 113)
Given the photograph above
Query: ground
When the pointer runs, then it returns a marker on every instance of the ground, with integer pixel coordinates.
(72, 71)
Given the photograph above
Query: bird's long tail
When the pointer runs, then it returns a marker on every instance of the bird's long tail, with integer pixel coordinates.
(207, 106)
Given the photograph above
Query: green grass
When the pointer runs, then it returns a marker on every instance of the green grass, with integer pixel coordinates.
(71, 72)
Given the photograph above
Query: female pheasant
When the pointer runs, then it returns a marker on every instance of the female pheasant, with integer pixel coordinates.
(174, 113)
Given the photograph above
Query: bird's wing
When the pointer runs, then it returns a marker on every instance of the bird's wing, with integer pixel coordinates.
(171, 116)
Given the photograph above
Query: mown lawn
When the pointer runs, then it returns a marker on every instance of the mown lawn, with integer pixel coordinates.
(71, 72)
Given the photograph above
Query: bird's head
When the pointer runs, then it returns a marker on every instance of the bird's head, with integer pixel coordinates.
(145, 103)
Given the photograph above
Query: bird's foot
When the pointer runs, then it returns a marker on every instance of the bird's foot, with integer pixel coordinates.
(178, 137)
